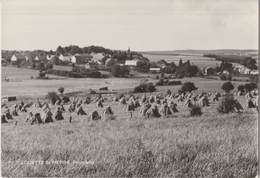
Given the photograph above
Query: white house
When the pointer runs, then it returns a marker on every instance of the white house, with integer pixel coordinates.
(64, 57)
(254, 72)
(49, 57)
(18, 57)
(247, 71)
(157, 70)
(76, 59)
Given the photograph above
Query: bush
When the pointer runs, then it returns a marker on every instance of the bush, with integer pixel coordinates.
(227, 86)
(249, 86)
(229, 77)
(188, 86)
(157, 77)
(195, 110)
(227, 104)
(223, 77)
(93, 92)
(41, 74)
(150, 87)
(240, 88)
(61, 90)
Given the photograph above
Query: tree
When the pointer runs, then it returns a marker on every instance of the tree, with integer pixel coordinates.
(180, 62)
(61, 90)
(188, 86)
(115, 71)
(240, 88)
(191, 71)
(223, 77)
(33, 65)
(229, 77)
(249, 87)
(53, 97)
(150, 87)
(59, 51)
(227, 86)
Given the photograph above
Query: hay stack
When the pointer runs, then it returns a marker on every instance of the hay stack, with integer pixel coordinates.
(28, 117)
(129, 107)
(122, 100)
(165, 110)
(108, 111)
(23, 109)
(99, 104)
(36, 119)
(214, 98)
(180, 98)
(172, 106)
(58, 114)
(93, 115)
(87, 101)
(38, 104)
(71, 107)
(151, 99)
(144, 109)
(78, 104)
(80, 111)
(153, 111)
(204, 101)
(237, 106)
(62, 108)
(46, 106)
(57, 102)
(249, 95)
(7, 114)
(249, 103)
(3, 120)
(108, 114)
(188, 103)
(14, 112)
(116, 99)
(47, 116)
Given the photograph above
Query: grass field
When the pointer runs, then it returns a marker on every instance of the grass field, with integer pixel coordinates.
(200, 61)
(212, 145)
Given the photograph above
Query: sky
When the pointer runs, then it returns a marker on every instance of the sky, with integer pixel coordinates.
(142, 25)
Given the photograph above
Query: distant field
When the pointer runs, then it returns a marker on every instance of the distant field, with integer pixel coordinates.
(201, 62)
(66, 68)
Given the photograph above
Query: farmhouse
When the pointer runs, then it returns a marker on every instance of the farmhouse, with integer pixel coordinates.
(131, 62)
(247, 71)
(209, 71)
(18, 57)
(50, 57)
(64, 57)
(225, 72)
(76, 59)
(98, 58)
(40, 58)
(254, 72)
(157, 70)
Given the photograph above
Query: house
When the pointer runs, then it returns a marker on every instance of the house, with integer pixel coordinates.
(247, 71)
(76, 59)
(157, 70)
(225, 72)
(64, 57)
(254, 72)
(18, 58)
(110, 62)
(131, 62)
(162, 63)
(242, 69)
(209, 71)
(98, 58)
(50, 57)
(40, 58)
(85, 58)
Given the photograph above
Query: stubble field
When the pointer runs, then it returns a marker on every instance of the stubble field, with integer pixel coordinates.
(213, 145)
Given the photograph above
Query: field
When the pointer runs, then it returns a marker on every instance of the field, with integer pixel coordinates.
(213, 145)
(200, 61)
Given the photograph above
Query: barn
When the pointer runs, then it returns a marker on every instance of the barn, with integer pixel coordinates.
(76, 59)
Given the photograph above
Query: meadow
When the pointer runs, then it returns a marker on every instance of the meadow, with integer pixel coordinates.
(200, 61)
(213, 145)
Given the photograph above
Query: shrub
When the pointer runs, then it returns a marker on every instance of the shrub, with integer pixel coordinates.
(223, 77)
(150, 87)
(93, 92)
(188, 86)
(157, 77)
(240, 88)
(61, 90)
(227, 86)
(229, 77)
(41, 74)
(249, 86)
(227, 104)
(195, 110)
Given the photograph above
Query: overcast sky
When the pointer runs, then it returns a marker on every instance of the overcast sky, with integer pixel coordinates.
(142, 25)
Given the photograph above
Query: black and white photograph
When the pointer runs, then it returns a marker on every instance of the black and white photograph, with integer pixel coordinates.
(129, 88)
